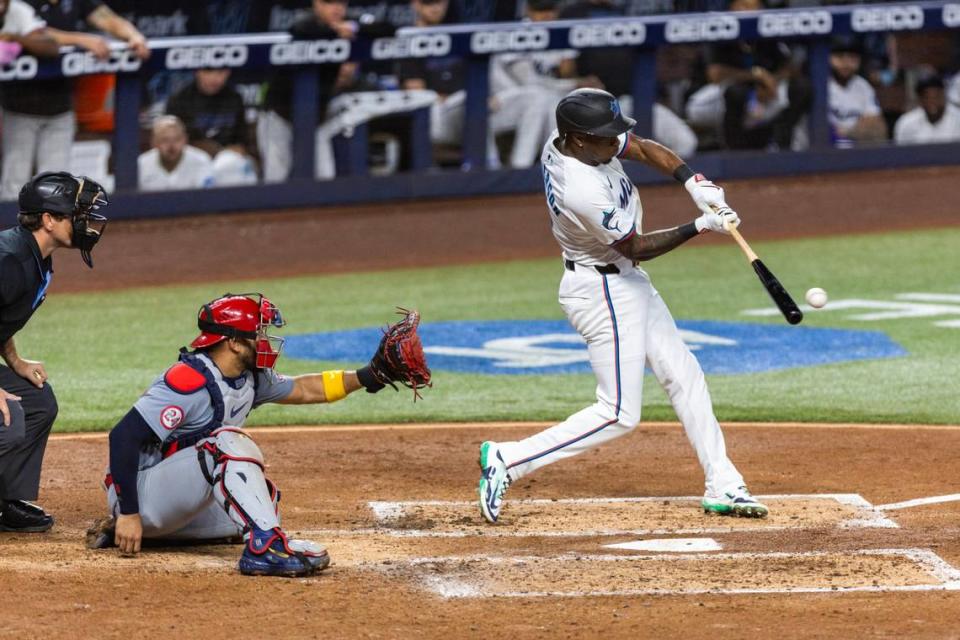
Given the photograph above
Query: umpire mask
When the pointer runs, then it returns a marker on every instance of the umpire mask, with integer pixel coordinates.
(65, 195)
(88, 226)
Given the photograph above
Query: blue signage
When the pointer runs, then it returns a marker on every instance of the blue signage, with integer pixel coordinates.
(551, 346)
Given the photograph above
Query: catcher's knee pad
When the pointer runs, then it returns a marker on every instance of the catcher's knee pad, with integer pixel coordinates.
(239, 483)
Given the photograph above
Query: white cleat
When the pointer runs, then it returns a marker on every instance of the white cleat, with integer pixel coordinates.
(494, 481)
(738, 502)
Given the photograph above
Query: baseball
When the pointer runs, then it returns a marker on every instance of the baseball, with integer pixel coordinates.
(816, 297)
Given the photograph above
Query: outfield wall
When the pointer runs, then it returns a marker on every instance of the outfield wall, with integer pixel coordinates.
(476, 43)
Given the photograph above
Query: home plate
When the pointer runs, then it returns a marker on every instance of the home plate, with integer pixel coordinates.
(669, 545)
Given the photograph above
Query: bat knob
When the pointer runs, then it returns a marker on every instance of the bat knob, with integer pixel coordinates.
(795, 317)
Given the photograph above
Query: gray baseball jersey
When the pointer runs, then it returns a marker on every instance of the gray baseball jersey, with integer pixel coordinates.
(178, 404)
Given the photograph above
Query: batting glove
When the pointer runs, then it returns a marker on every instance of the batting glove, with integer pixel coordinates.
(707, 196)
(718, 221)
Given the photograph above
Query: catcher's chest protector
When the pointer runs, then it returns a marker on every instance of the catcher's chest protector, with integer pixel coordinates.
(231, 399)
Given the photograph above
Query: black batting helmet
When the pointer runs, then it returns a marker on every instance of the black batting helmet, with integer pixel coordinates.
(592, 111)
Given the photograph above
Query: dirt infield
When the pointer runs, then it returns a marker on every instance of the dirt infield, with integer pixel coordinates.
(412, 558)
(394, 504)
(441, 232)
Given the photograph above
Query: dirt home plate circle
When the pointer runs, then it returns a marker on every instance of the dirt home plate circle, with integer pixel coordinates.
(816, 297)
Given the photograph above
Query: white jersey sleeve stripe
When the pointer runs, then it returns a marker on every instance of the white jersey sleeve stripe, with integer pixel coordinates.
(626, 236)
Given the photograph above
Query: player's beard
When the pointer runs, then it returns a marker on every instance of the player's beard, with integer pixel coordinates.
(249, 357)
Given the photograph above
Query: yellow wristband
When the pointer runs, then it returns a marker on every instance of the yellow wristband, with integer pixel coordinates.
(333, 387)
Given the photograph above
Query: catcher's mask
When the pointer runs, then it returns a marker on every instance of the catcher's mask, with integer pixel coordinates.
(66, 195)
(245, 315)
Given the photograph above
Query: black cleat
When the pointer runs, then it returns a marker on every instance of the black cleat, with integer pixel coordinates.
(20, 516)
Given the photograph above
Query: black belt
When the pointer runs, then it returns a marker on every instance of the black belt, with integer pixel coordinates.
(605, 269)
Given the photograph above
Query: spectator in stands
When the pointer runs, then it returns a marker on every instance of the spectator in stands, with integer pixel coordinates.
(934, 120)
(39, 121)
(852, 108)
(609, 64)
(215, 118)
(327, 20)
(768, 111)
(513, 106)
(752, 97)
(62, 19)
(953, 91)
(23, 31)
(172, 163)
(554, 74)
(462, 11)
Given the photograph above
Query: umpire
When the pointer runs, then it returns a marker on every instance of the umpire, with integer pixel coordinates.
(56, 210)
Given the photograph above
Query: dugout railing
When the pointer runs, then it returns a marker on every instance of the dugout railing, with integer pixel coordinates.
(475, 43)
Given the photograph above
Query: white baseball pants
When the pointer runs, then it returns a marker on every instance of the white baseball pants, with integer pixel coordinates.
(44, 141)
(625, 323)
(528, 111)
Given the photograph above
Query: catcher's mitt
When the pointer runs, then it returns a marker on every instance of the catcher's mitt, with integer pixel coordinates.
(400, 358)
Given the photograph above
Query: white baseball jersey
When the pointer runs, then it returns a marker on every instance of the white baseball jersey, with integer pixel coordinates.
(624, 323)
(195, 171)
(538, 68)
(953, 91)
(914, 127)
(848, 104)
(21, 19)
(592, 208)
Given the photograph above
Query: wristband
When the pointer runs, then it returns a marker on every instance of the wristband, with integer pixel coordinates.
(369, 380)
(689, 230)
(333, 388)
(683, 173)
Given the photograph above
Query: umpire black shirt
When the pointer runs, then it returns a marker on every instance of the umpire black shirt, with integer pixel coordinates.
(24, 278)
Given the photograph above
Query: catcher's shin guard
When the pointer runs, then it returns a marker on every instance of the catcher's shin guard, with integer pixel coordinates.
(251, 500)
(238, 480)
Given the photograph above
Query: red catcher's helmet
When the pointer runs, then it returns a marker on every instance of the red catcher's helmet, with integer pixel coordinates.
(245, 315)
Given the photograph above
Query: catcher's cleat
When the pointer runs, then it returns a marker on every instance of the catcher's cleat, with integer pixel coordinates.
(270, 553)
(494, 481)
(20, 516)
(735, 503)
(100, 535)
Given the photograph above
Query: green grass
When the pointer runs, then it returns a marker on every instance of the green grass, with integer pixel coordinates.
(102, 350)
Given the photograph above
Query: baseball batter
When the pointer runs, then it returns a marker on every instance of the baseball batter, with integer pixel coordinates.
(596, 216)
(182, 468)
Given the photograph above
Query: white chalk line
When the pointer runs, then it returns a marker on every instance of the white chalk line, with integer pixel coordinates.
(918, 502)
(386, 511)
(464, 426)
(458, 587)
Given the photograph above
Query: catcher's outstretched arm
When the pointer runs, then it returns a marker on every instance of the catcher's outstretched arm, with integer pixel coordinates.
(327, 386)
(399, 358)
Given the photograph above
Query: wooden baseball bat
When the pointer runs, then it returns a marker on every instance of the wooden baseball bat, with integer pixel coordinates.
(769, 281)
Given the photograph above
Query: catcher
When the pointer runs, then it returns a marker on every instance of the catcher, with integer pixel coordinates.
(180, 466)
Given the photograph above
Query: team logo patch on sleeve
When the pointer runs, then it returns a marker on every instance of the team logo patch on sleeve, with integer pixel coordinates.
(171, 417)
(610, 222)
